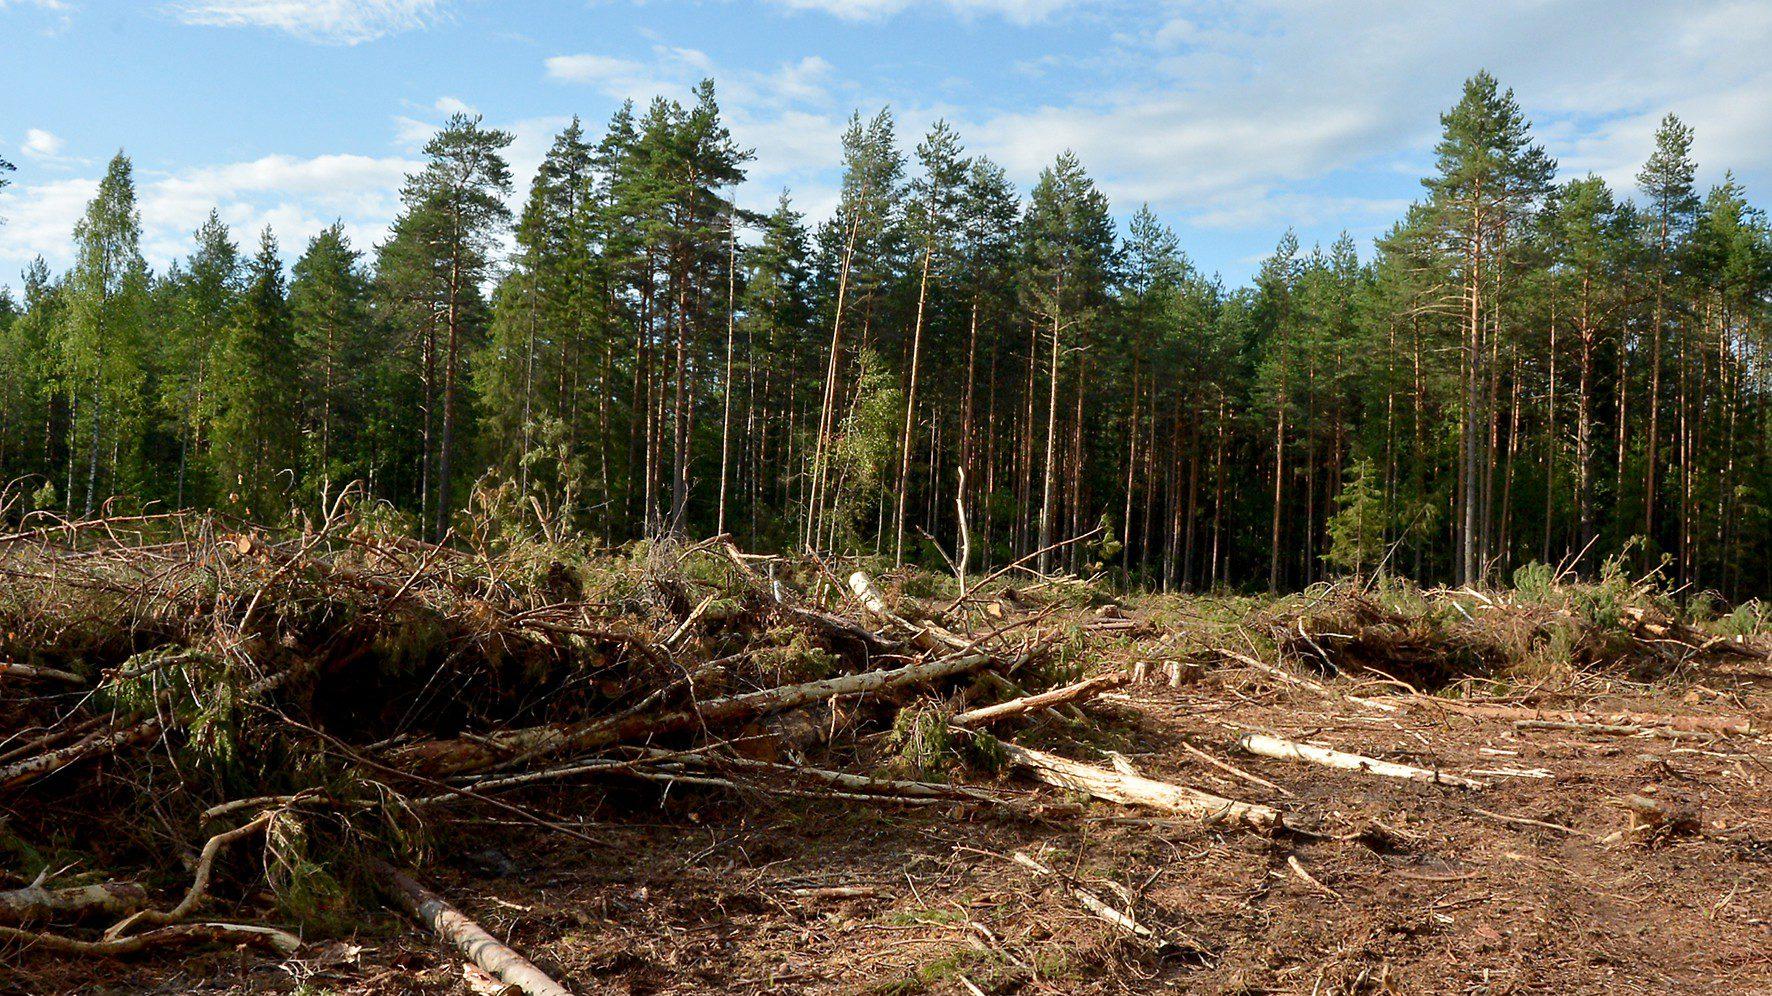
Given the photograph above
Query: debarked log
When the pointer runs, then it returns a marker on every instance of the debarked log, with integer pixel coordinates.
(1289, 750)
(1032, 703)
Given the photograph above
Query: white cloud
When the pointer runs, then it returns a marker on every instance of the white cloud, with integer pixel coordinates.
(40, 144)
(39, 218)
(454, 105)
(806, 80)
(1239, 115)
(1016, 11)
(332, 22)
(589, 68)
(296, 196)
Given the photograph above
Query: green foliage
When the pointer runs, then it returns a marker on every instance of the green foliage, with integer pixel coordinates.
(254, 431)
(1535, 582)
(867, 441)
(1749, 619)
(923, 745)
(1528, 367)
(1358, 528)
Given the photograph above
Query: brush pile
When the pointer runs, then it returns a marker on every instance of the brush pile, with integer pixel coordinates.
(268, 723)
(1431, 638)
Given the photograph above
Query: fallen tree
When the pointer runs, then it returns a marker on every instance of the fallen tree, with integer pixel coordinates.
(444, 757)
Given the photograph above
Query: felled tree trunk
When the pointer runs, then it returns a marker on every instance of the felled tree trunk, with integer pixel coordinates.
(444, 757)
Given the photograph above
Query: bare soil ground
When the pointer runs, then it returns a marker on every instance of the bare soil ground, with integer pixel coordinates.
(1386, 886)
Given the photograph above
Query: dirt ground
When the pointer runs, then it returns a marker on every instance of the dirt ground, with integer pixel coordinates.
(1386, 886)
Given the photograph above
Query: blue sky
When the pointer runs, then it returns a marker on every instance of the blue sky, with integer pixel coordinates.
(1233, 119)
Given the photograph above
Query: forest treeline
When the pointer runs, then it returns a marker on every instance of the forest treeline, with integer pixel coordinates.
(1528, 369)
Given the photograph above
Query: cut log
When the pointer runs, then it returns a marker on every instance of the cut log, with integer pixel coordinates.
(1031, 703)
(467, 754)
(1289, 750)
(1135, 790)
(36, 904)
(468, 937)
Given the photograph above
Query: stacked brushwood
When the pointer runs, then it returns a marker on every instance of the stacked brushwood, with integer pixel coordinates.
(1430, 638)
(180, 688)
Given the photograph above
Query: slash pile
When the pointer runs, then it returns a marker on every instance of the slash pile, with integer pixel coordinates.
(215, 733)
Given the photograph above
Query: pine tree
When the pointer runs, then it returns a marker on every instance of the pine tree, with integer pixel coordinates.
(1069, 253)
(432, 268)
(932, 207)
(860, 249)
(1667, 179)
(1489, 176)
(336, 343)
(255, 434)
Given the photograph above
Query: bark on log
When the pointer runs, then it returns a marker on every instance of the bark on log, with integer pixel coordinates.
(113, 739)
(1289, 750)
(468, 937)
(446, 757)
(1022, 706)
(36, 904)
(1115, 786)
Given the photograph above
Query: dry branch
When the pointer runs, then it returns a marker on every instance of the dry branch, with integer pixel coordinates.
(10, 670)
(1721, 725)
(199, 881)
(1030, 703)
(1094, 903)
(1115, 786)
(470, 938)
(178, 935)
(36, 904)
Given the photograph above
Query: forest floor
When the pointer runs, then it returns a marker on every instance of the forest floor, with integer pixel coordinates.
(1541, 881)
